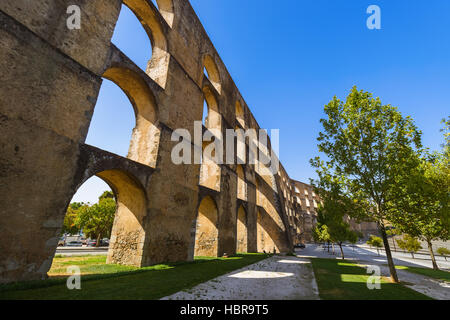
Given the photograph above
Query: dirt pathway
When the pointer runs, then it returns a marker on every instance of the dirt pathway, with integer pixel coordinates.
(276, 278)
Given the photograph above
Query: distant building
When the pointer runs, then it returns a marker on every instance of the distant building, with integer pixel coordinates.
(301, 203)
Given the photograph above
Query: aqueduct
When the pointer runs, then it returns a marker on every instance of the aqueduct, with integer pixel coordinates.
(50, 80)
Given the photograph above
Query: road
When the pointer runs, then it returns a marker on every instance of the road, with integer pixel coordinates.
(81, 251)
(364, 253)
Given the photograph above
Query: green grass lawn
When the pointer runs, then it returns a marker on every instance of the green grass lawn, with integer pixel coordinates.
(101, 281)
(436, 274)
(344, 280)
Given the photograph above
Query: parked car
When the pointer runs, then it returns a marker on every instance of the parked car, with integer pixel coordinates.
(104, 242)
(74, 244)
(300, 245)
(61, 242)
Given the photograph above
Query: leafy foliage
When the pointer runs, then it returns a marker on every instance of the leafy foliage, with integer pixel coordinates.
(321, 234)
(107, 195)
(421, 205)
(70, 219)
(375, 241)
(333, 212)
(443, 252)
(97, 220)
(368, 146)
(409, 243)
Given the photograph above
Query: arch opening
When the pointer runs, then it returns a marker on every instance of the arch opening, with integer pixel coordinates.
(115, 220)
(211, 71)
(265, 242)
(270, 226)
(241, 184)
(144, 144)
(241, 231)
(113, 120)
(213, 119)
(240, 114)
(210, 171)
(241, 148)
(206, 231)
(139, 47)
(157, 65)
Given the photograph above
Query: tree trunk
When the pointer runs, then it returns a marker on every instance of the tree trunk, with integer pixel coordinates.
(342, 251)
(412, 254)
(390, 261)
(98, 240)
(328, 246)
(433, 258)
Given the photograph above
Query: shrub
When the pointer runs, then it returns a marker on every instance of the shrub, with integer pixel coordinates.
(410, 244)
(443, 252)
(376, 242)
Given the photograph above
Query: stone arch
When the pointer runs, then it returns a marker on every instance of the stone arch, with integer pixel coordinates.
(146, 134)
(166, 9)
(240, 117)
(212, 72)
(265, 242)
(206, 231)
(258, 193)
(137, 48)
(270, 226)
(241, 230)
(213, 119)
(210, 170)
(241, 147)
(128, 233)
(241, 183)
(157, 67)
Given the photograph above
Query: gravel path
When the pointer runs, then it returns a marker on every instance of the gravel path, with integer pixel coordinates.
(275, 278)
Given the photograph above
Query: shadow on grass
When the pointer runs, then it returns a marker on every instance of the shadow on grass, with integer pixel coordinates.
(152, 282)
(343, 280)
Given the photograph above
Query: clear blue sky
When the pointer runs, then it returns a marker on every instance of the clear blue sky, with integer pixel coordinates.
(289, 57)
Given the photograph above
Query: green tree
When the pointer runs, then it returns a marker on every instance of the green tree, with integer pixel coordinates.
(70, 226)
(331, 212)
(444, 168)
(353, 238)
(367, 145)
(443, 252)
(410, 244)
(376, 242)
(421, 205)
(321, 234)
(107, 195)
(97, 220)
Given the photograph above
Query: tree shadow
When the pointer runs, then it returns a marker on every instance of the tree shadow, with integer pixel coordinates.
(145, 283)
(342, 280)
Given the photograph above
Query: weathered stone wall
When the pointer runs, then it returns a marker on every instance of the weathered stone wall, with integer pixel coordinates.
(50, 78)
(301, 204)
